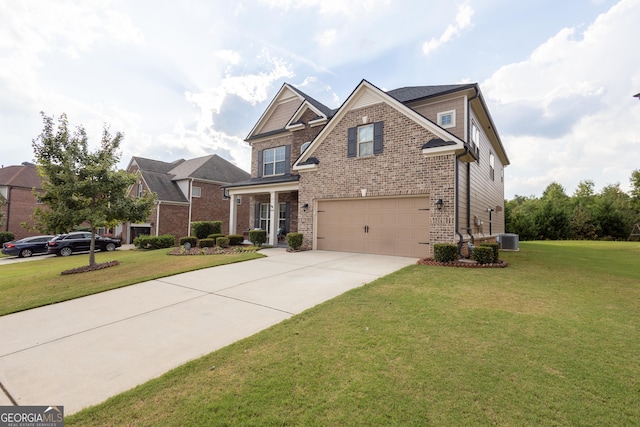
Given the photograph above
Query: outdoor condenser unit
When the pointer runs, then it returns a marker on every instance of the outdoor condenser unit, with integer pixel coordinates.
(508, 241)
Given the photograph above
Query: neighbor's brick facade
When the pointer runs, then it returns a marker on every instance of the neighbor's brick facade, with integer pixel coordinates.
(19, 209)
(400, 170)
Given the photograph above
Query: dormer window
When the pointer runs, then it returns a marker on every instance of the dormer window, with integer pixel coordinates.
(304, 146)
(274, 161)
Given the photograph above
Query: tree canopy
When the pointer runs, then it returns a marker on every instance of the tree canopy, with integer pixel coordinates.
(81, 186)
(609, 214)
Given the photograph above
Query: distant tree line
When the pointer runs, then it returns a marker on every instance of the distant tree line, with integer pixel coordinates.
(586, 215)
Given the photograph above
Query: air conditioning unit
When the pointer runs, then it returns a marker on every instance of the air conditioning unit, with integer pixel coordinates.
(508, 241)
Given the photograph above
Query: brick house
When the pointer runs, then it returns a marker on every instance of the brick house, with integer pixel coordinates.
(187, 191)
(17, 184)
(387, 172)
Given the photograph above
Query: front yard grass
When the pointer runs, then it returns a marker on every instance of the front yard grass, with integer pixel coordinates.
(30, 284)
(551, 340)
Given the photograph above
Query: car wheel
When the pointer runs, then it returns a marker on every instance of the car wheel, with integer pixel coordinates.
(26, 253)
(66, 251)
(110, 247)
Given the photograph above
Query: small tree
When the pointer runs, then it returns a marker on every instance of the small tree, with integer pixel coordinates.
(80, 186)
(3, 202)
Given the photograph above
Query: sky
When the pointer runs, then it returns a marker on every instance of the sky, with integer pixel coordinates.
(191, 78)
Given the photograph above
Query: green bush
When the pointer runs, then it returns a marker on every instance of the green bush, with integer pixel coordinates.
(154, 242)
(235, 239)
(222, 242)
(202, 229)
(495, 247)
(258, 237)
(445, 252)
(294, 240)
(482, 254)
(192, 240)
(206, 243)
(214, 236)
(6, 236)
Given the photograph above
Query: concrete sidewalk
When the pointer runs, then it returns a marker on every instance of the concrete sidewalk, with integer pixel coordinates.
(79, 353)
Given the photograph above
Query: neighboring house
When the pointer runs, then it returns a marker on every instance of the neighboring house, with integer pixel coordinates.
(387, 173)
(187, 191)
(17, 184)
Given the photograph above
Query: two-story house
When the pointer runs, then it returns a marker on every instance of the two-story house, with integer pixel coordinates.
(388, 172)
(187, 191)
(17, 184)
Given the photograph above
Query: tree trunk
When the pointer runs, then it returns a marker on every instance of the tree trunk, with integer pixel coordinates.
(92, 247)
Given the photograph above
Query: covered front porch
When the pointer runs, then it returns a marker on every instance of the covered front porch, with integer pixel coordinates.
(274, 205)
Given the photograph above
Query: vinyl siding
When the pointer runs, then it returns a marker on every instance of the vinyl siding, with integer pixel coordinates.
(430, 111)
(280, 117)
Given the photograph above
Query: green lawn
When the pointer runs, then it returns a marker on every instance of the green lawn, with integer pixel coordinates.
(553, 339)
(36, 283)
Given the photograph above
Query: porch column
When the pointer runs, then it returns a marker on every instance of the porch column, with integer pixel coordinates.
(273, 218)
(232, 213)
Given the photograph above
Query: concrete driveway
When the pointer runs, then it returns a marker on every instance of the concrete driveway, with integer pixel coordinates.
(79, 353)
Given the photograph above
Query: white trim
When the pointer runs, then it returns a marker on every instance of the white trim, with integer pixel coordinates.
(439, 151)
(442, 114)
(305, 168)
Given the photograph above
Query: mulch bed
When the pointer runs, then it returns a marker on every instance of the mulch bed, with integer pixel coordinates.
(210, 251)
(462, 263)
(86, 268)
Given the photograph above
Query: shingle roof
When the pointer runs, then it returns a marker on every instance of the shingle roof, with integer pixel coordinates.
(437, 142)
(319, 105)
(156, 165)
(211, 168)
(161, 184)
(25, 176)
(268, 180)
(413, 93)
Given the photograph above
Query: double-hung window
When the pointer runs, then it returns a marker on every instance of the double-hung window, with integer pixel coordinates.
(274, 161)
(492, 166)
(365, 140)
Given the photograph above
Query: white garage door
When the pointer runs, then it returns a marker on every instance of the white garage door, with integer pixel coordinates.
(387, 226)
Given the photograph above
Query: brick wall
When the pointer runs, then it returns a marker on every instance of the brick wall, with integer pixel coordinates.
(19, 208)
(401, 169)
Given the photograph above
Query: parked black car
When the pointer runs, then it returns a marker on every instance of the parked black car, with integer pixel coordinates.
(27, 246)
(66, 244)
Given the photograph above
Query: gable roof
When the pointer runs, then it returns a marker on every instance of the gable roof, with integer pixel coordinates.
(25, 176)
(162, 177)
(368, 94)
(286, 93)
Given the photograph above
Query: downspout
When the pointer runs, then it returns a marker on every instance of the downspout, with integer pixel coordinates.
(469, 230)
(8, 208)
(190, 204)
(158, 218)
(457, 208)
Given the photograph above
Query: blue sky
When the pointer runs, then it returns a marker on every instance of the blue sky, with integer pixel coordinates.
(191, 78)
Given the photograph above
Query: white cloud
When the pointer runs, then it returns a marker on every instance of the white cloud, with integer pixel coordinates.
(567, 111)
(463, 21)
(229, 56)
(326, 38)
(330, 7)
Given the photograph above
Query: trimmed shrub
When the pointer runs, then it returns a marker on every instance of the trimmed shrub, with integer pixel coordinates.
(294, 240)
(214, 236)
(192, 240)
(482, 254)
(222, 242)
(6, 236)
(236, 239)
(206, 243)
(258, 237)
(495, 247)
(202, 229)
(154, 242)
(445, 252)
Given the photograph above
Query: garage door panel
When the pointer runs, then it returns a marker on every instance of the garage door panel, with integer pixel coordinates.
(396, 226)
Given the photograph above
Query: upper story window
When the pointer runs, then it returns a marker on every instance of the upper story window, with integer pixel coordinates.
(365, 141)
(140, 189)
(273, 161)
(492, 166)
(304, 146)
(475, 135)
(196, 192)
(447, 119)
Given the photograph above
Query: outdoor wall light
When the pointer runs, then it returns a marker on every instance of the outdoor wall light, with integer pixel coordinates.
(305, 206)
(439, 204)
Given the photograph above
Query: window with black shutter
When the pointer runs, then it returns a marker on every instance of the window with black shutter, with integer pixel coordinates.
(365, 140)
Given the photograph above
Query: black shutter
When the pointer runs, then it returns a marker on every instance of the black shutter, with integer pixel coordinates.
(377, 138)
(351, 143)
(287, 160)
(259, 163)
(256, 216)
